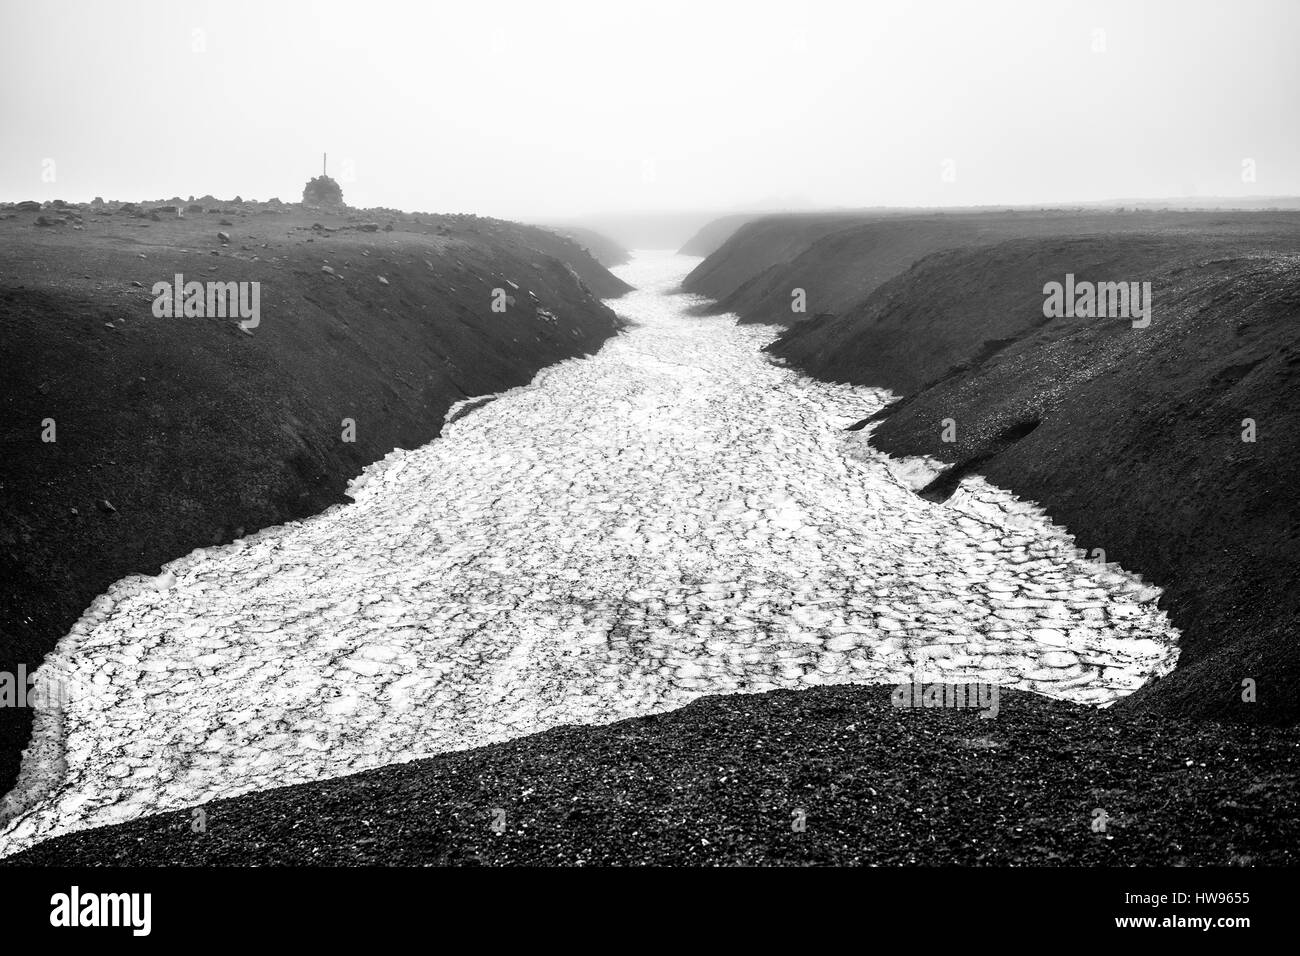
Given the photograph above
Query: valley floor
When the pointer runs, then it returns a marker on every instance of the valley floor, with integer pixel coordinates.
(673, 517)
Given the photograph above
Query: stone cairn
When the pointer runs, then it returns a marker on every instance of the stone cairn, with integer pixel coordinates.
(322, 192)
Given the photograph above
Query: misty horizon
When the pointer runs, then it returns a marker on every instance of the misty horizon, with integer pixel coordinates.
(578, 111)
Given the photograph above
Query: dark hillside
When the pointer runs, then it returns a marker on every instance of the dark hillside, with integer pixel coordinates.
(603, 249)
(838, 260)
(1131, 438)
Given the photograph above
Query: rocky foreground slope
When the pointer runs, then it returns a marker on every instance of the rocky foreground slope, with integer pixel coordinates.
(170, 434)
(830, 775)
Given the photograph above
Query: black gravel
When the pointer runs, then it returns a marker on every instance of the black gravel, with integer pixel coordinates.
(725, 779)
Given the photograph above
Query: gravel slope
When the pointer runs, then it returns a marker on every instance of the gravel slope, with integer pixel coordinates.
(720, 781)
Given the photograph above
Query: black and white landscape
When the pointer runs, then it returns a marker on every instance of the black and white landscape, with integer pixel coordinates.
(676, 435)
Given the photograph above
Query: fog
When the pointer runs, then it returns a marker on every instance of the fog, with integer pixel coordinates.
(560, 111)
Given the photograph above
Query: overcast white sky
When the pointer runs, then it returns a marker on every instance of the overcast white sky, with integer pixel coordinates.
(556, 109)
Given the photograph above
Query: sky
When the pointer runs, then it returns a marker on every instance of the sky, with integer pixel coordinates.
(561, 110)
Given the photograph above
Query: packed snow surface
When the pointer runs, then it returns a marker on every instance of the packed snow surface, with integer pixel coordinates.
(671, 517)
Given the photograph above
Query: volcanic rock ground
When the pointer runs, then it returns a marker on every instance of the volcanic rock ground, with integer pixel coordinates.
(674, 517)
(828, 775)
